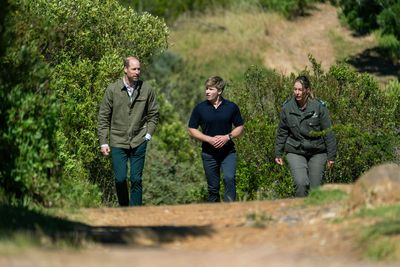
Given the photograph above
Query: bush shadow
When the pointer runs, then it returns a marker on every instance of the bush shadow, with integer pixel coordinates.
(375, 61)
(14, 220)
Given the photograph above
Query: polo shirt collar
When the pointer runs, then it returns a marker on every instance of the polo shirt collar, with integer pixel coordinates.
(222, 101)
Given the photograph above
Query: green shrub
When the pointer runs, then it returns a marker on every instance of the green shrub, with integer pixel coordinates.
(379, 240)
(367, 16)
(288, 8)
(321, 197)
(171, 10)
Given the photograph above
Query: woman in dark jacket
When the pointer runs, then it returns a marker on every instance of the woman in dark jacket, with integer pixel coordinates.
(304, 133)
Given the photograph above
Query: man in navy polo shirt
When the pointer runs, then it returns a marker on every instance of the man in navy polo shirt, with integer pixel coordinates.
(220, 121)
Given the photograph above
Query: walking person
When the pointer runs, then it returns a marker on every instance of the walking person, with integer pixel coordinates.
(128, 117)
(305, 134)
(221, 122)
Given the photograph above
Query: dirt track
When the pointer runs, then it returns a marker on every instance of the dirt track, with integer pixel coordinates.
(292, 41)
(270, 233)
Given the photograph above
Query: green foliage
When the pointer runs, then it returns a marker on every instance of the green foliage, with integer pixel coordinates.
(389, 20)
(173, 172)
(170, 10)
(180, 85)
(28, 113)
(361, 15)
(390, 45)
(369, 15)
(168, 180)
(321, 197)
(361, 113)
(289, 8)
(380, 240)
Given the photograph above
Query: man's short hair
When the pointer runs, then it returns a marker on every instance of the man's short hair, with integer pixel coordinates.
(128, 59)
(217, 82)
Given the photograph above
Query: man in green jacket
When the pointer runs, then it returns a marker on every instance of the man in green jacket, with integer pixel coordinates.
(128, 117)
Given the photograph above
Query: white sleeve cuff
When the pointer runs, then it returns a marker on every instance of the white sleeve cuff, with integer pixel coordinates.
(147, 137)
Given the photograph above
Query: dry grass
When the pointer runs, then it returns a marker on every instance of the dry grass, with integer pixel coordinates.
(228, 42)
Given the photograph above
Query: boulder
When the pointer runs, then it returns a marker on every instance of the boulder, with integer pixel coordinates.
(378, 186)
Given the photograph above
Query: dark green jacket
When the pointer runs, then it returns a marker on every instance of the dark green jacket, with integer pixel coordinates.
(305, 132)
(123, 122)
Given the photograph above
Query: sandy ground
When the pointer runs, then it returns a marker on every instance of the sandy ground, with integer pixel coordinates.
(268, 233)
(292, 41)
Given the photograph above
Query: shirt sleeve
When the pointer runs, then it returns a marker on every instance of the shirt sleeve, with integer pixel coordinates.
(104, 117)
(194, 121)
(281, 135)
(237, 117)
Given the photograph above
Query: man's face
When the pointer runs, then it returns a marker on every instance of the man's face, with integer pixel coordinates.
(212, 93)
(132, 72)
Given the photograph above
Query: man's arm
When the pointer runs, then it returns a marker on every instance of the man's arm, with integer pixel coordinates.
(198, 135)
(152, 113)
(104, 120)
(237, 131)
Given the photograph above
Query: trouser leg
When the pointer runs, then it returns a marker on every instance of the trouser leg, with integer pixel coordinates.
(212, 171)
(299, 169)
(316, 169)
(119, 158)
(228, 167)
(137, 158)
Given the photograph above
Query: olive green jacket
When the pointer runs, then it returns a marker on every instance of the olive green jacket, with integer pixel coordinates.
(305, 132)
(127, 120)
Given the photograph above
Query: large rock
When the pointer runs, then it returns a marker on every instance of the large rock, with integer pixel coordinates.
(378, 186)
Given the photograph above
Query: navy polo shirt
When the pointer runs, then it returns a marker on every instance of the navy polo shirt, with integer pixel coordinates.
(216, 121)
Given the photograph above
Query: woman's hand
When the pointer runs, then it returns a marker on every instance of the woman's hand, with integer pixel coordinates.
(330, 163)
(279, 161)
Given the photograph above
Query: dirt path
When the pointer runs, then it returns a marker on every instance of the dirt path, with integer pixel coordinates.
(269, 233)
(292, 41)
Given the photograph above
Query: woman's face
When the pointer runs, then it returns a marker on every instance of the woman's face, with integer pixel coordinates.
(300, 93)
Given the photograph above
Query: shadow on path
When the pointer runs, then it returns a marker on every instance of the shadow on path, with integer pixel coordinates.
(14, 220)
(374, 61)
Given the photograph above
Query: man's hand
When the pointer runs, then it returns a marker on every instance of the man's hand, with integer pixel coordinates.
(219, 141)
(105, 150)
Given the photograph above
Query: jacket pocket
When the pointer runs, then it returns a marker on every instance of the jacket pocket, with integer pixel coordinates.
(293, 143)
(118, 136)
(314, 124)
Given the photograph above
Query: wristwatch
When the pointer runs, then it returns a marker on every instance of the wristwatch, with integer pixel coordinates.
(230, 136)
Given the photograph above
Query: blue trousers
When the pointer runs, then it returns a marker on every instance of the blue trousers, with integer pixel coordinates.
(213, 164)
(307, 172)
(136, 157)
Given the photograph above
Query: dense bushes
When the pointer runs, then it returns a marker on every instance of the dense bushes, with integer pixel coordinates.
(367, 16)
(362, 115)
(170, 10)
